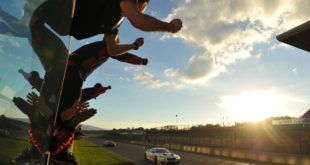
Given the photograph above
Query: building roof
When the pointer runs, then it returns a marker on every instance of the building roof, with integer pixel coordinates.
(298, 36)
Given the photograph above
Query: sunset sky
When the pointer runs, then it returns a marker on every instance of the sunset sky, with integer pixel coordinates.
(225, 62)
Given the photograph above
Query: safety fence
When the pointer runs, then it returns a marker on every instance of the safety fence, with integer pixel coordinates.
(266, 157)
(290, 139)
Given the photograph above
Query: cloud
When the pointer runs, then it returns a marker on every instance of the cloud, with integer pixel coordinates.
(142, 76)
(9, 55)
(124, 78)
(294, 70)
(1, 49)
(14, 43)
(258, 55)
(154, 13)
(273, 47)
(227, 31)
(155, 83)
(147, 79)
(170, 72)
(137, 69)
(200, 69)
(127, 68)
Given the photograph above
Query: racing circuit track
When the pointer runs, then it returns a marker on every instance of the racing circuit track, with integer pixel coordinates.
(135, 154)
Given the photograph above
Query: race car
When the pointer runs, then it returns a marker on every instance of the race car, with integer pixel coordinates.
(4, 132)
(109, 143)
(161, 156)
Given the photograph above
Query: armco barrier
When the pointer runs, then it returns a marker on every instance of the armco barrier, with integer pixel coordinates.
(239, 154)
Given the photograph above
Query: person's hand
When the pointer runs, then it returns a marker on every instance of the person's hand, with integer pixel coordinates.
(145, 61)
(84, 115)
(79, 106)
(20, 70)
(18, 101)
(140, 41)
(39, 103)
(33, 99)
(175, 25)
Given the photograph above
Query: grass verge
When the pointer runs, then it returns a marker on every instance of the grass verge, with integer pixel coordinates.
(11, 148)
(84, 151)
(89, 153)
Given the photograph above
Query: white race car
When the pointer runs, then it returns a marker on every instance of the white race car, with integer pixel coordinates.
(161, 156)
(109, 143)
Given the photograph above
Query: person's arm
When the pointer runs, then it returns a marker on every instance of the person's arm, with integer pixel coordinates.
(82, 116)
(145, 22)
(101, 91)
(131, 59)
(114, 47)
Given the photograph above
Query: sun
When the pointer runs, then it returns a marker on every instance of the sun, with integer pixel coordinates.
(250, 106)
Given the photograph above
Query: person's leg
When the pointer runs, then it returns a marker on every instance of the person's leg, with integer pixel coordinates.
(64, 137)
(89, 57)
(50, 49)
(56, 13)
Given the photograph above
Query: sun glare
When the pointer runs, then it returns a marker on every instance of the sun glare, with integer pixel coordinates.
(250, 106)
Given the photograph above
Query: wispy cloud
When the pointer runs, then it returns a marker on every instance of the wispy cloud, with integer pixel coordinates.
(9, 55)
(142, 76)
(14, 43)
(258, 55)
(154, 13)
(124, 78)
(148, 79)
(294, 70)
(155, 83)
(1, 49)
(170, 72)
(136, 69)
(127, 68)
